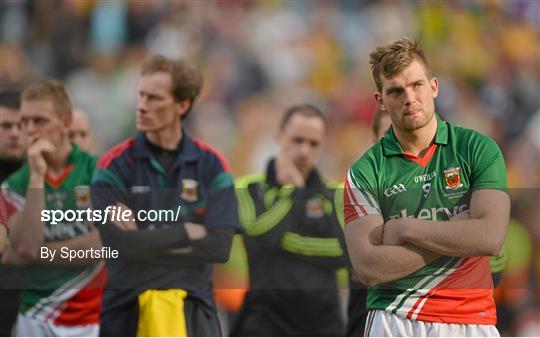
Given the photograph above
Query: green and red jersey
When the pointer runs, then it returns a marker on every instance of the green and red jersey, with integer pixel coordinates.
(69, 296)
(388, 182)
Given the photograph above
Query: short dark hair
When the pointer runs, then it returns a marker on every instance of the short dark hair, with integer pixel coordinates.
(392, 59)
(187, 80)
(53, 90)
(307, 110)
(10, 99)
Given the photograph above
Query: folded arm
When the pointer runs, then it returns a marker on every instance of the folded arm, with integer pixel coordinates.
(90, 240)
(375, 263)
(134, 244)
(214, 247)
(481, 235)
(26, 230)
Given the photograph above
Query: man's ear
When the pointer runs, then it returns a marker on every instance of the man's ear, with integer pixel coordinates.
(68, 118)
(182, 107)
(277, 136)
(379, 101)
(434, 83)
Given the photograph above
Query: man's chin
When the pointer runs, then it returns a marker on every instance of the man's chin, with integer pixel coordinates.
(143, 128)
(414, 124)
(12, 157)
(303, 169)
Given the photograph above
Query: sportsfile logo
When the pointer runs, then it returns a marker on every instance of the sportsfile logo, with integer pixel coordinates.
(394, 190)
(433, 214)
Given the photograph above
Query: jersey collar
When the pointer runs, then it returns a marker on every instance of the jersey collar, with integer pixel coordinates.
(188, 149)
(72, 159)
(391, 146)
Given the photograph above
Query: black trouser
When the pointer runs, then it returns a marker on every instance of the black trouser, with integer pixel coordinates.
(356, 311)
(9, 305)
(11, 283)
(122, 321)
(282, 313)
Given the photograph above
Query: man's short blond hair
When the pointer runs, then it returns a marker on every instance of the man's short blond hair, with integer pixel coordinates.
(52, 90)
(392, 59)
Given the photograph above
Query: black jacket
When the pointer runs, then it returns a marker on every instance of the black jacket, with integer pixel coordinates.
(294, 244)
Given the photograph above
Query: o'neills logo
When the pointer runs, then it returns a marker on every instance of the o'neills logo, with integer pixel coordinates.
(452, 177)
(189, 190)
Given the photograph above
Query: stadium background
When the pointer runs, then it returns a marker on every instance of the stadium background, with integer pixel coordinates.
(259, 57)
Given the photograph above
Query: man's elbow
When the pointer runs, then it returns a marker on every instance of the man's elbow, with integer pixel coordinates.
(371, 280)
(493, 244)
(367, 280)
(221, 245)
(25, 251)
(494, 247)
(367, 275)
(221, 255)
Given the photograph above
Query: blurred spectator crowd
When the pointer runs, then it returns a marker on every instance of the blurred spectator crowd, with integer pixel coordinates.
(259, 57)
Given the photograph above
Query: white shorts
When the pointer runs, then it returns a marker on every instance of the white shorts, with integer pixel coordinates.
(30, 327)
(382, 323)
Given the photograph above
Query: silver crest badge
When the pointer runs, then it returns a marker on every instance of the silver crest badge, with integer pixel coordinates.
(314, 208)
(189, 190)
(82, 196)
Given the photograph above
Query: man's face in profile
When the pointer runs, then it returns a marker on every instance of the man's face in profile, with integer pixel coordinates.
(11, 137)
